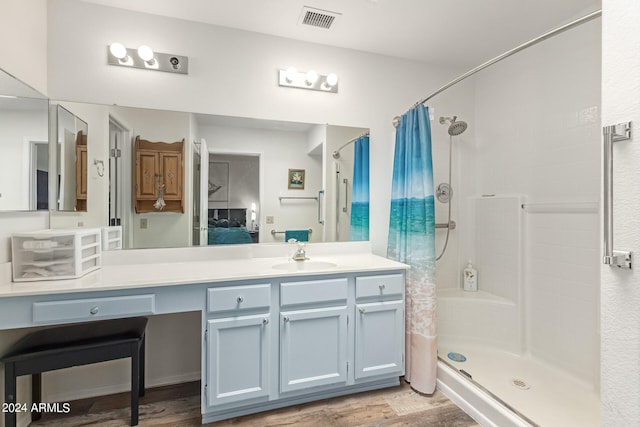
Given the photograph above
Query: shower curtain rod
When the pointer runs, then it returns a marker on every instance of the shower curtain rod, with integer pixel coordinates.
(350, 141)
(517, 49)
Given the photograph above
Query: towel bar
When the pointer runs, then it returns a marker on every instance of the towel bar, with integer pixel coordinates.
(274, 232)
(281, 198)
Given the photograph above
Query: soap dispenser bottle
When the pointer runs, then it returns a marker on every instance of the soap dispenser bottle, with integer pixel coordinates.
(470, 278)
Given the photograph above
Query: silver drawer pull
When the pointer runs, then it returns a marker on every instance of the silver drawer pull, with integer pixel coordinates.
(265, 321)
(285, 318)
(362, 311)
(94, 310)
(381, 287)
(240, 299)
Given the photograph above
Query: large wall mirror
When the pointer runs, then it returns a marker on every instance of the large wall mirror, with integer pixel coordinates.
(24, 155)
(244, 180)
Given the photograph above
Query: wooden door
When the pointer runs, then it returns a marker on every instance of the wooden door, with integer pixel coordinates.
(171, 169)
(81, 178)
(147, 179)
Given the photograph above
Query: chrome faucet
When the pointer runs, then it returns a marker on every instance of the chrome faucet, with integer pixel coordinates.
(300, 254)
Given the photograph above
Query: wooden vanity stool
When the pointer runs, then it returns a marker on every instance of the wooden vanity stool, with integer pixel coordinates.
(75, 345)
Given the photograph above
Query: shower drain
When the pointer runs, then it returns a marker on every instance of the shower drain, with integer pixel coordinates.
(521, 384)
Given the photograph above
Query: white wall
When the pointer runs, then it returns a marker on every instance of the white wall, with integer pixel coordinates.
(23, 27)
(537, 134)
(620, 316)
(221, 81)
(279, 151)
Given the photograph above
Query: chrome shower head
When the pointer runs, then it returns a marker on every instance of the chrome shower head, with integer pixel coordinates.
(456, 127)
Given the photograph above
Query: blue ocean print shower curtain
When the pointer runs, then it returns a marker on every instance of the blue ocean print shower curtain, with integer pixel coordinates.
(412, 241)
(359, 224)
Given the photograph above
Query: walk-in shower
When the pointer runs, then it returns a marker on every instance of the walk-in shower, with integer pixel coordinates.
(524, 347)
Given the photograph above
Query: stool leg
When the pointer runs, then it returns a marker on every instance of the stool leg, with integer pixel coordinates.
(142, 365)
(36, 394)
(135, 382)
(10, 393)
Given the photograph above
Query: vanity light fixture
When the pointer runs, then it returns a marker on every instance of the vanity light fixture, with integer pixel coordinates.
(309, 80)
(290, 74)
(144, 57)
(312, 77)
(146, 54)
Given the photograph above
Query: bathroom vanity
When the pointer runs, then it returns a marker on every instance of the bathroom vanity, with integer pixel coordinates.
(275, 332)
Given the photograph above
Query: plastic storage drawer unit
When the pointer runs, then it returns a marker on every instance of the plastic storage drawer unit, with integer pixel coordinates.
(55, 254)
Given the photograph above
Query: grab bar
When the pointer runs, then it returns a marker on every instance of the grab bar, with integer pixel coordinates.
(320, 220)
(450, 226)
(613, 133)
(561, 207)
(281, 198)
(345, 181)
(274, 232)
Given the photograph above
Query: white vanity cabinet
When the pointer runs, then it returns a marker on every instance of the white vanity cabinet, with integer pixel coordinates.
(238, 344)
(379, 323)
(271, 338)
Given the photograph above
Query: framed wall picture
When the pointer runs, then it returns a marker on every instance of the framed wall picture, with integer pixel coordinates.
(296, 179)
(218, 182)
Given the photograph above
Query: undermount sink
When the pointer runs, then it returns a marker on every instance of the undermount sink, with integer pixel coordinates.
(304, 265)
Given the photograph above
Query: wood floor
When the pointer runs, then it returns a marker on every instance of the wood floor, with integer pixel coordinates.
(179, 406)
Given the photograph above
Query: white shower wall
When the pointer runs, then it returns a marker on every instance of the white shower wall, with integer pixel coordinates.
(537, 133)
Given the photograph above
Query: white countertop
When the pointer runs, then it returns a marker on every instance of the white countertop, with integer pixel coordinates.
(141, 271)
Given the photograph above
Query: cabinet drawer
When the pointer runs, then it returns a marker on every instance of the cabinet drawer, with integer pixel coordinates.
(380, 287)
(313, 291)
(94, 308)
(239, 298)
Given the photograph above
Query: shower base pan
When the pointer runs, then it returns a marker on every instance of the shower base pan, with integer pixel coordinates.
(511, 390)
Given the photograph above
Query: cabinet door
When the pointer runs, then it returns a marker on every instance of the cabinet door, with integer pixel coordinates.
(313, 348)
(171, 167)
(237, 359)
(81, 172)
(147, 175)
(379, 339)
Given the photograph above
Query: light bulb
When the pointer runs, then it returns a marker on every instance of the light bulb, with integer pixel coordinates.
(118, 50)
(312, 77)
(290, 74)
(145, 53)
(332, 79)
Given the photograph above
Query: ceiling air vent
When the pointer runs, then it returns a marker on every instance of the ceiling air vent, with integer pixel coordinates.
(317, 17)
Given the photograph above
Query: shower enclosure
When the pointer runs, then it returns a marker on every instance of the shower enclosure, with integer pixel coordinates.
(524, 187)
